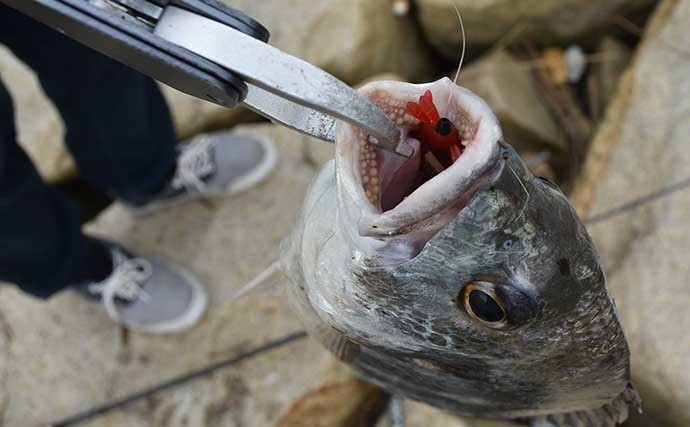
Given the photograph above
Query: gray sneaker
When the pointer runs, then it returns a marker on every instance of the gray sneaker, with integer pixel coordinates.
(147, 295)
(213, 165)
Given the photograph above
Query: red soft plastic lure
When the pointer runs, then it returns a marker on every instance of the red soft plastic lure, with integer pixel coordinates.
(435, 133)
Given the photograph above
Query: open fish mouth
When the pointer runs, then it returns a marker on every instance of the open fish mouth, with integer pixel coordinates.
(455, 138)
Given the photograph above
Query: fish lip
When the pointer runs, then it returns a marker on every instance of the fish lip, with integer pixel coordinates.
(422, 211)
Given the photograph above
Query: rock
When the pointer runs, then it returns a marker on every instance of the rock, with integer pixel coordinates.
(507, 86)
(352, 39)
(613, 57)
(39, 126)
(641, 148)
(71, 344)
(342, 404)
(541, 21)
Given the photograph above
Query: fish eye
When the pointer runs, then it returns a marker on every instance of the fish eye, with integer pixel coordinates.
(483, 304)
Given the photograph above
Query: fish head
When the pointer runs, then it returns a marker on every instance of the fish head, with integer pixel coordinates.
(477, 287)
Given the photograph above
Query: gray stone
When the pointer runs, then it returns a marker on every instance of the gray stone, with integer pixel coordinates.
(64, 355)
(541, 21)
(642, 148)
(507, 86)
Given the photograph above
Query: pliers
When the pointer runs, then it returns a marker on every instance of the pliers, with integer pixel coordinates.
(214, 52)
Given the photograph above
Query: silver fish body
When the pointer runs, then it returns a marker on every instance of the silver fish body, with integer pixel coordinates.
(480, 292)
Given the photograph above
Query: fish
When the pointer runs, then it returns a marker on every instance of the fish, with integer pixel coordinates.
(456, 277)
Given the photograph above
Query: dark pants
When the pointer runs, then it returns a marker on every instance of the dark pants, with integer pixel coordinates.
(119, 131)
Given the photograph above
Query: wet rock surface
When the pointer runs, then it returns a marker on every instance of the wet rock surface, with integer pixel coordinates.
(542, 21)
(645, 249)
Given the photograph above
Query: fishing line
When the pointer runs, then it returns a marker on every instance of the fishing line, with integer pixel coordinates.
(175, 382)
(638, 202)
(462, 54)
(462, 30)
(522, 211)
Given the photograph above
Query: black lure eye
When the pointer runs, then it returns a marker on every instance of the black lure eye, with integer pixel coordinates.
(483, 304)
(444, 127)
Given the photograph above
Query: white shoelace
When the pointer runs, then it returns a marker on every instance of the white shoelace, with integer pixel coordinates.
(194, 164)
(125, 282)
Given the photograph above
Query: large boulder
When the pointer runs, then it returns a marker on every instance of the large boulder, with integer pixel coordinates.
(642, 149)
(540, 21)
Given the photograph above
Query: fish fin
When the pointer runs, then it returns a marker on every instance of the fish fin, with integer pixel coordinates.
(609, 415)
(264, 281)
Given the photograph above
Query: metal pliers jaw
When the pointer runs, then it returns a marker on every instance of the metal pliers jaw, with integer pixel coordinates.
(214, 52)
